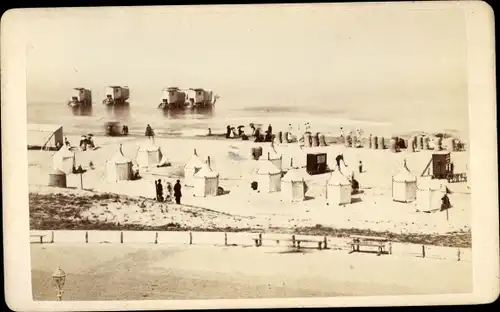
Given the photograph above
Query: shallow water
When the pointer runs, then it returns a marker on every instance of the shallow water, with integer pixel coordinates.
(324, 119)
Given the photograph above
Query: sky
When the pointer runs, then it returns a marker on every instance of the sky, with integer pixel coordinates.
(371, 56)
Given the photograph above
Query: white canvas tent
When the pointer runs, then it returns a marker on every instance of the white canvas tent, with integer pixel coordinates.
(338, 189)
(429, 195)
(64, 160)
(269, 153)
(404, 186)
(149, 154)
(119, 167)
(293, 186)
(268, 177)
(44, 136)
(206, 181)
(191, 168)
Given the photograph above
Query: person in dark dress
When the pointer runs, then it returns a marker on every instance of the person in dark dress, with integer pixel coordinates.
(228, 131)
(270, 129)
(445, 202)
(360, 166)
(156, 189)
(177, 192)
(160, 191)
(149, 131)
(338, 159)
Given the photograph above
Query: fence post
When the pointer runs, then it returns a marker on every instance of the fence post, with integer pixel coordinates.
(325, 243)
(52, 237)
(423, 251)
(156, 238)
(86, 237)
(458, 254)
(260, 239)
(225, 239)
(121, 237)
(190, 238)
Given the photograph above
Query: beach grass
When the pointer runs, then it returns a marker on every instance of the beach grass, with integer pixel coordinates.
(59, 211)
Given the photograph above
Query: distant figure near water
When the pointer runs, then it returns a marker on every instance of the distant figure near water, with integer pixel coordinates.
(149, 132)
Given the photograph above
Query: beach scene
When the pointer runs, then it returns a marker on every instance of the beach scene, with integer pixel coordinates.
(325, 155)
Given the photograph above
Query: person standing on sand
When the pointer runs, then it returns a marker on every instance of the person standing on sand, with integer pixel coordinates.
(360, 166)
(169, 192)
(338, 159)
(160, 191)
(156, 189)
(177, 192)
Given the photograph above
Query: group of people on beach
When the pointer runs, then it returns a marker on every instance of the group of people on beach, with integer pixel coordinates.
(256, 133)
(177, 194)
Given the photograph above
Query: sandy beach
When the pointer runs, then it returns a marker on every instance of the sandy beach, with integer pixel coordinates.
(135, 272)
(133, 204)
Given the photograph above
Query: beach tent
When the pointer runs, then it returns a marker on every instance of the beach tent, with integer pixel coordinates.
(273, 157)
(206, 181)
(64, 160)
(404, 186)
(149, 154)
(191, 168)
(119, 167)
(45, 136)
(268, 176)
(338, 189)
(293, 186)
(429, 195)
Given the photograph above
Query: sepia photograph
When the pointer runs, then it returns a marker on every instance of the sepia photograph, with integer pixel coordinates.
(212, 155)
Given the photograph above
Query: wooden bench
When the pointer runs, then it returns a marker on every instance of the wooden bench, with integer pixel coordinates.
(40, 236)
(369, 241)
(322, 244)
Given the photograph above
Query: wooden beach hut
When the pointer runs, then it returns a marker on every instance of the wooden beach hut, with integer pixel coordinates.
(293, 186)
(64, 160)
(119, 167)
(191, 168)
(206, 181)
(404, 186)
(338, 189)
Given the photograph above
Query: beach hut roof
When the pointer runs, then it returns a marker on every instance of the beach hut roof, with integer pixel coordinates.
(65, 152)
(267, 167)
(404, 175)
(149, 146)
(58, 172)
(195, 161)
(293, 176)
(119, 158)
(206, 172)
(337, 178)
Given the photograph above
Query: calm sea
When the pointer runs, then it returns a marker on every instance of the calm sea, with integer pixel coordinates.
(322, 119)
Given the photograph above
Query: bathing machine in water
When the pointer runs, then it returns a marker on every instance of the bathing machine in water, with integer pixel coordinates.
(201, 98)
(80, 98)
(116, 95)
(173, 98)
